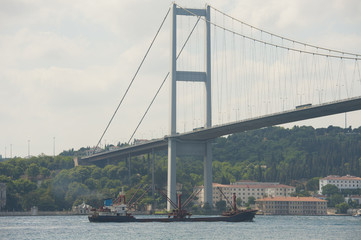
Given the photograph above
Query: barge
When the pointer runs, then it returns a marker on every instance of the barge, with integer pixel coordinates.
(117, 212)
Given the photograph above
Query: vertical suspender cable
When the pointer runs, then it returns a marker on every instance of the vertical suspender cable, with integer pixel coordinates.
(165, 78)
(131, 82)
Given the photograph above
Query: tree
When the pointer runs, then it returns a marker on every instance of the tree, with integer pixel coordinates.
(195, 208)
(96, 173)
(221, 205)
(207, 207)
(352, 204)
(24, 186)
(239, 202)
(329, 190)
(81, 173)
(46, 202)
(44, 172)
(251, 200)
(75, 190)
(91, 183)
(301, 193)
(335, 199)
(28, 200)
(33, 170)
(342, 207)
(313, 184)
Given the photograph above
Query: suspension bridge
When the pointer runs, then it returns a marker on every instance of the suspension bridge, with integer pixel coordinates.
(252, 79)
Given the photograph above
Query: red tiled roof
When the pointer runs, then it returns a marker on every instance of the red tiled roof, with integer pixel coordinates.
(355, 196)
(335, 177)
(265, 185)
(291, 199)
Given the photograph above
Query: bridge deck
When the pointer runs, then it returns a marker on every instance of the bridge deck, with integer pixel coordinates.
(205, 134)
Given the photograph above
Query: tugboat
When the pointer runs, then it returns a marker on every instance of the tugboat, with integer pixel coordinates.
(112, 212)
(117, 212)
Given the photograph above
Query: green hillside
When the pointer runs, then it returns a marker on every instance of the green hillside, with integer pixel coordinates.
(288, 156)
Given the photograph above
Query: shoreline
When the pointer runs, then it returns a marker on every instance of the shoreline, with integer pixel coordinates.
(39, 213)
(53, 213)
(70, 213)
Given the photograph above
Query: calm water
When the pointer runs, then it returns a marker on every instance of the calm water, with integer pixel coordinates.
(264, 227)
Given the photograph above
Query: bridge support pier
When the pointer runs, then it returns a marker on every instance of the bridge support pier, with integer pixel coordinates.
(172, 154)
(189, 76)
(207, 168)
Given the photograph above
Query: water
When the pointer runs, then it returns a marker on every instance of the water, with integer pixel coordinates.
(264, 227)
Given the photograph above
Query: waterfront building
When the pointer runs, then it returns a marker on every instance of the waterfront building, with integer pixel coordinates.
(356, 198)
(244, 190)
(82, 209)
(344, 182)
(292, 206)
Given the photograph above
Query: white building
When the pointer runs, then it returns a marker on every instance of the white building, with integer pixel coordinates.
(345, 182)
(82, 209)
(292, 206)
(355, 198)
(244, 190)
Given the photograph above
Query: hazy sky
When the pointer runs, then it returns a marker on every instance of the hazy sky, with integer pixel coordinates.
(64, 65)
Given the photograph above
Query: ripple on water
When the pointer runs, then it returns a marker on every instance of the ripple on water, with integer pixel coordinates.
(264, 227)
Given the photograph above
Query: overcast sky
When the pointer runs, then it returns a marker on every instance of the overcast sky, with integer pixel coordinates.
(64, 65)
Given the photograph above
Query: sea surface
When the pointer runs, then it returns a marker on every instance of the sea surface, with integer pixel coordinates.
(263, 227)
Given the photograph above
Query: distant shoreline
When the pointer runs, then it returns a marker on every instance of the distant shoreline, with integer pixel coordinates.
(53, 213)
(70, 213)
(39, 213)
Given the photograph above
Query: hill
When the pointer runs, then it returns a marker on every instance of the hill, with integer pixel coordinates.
(271, 154)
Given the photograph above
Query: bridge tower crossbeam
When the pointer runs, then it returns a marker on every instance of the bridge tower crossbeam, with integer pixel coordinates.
(176, 147)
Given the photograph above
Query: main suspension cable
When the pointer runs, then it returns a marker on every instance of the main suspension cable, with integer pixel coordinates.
(285, 38)
(131, 82)
(357, 56)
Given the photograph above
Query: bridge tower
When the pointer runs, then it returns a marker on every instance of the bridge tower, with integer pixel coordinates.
(189, 148)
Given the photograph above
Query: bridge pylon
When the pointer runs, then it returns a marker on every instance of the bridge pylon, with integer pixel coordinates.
(189, 148)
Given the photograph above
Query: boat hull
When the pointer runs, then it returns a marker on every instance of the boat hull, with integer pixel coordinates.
(244, 216)
(98, 218)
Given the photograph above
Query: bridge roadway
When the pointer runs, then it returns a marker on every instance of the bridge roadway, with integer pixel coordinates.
(201, 135)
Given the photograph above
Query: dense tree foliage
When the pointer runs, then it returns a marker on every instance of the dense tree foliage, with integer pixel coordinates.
(297, 156)
(330, 190)
(29, 181)
(278, 154)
